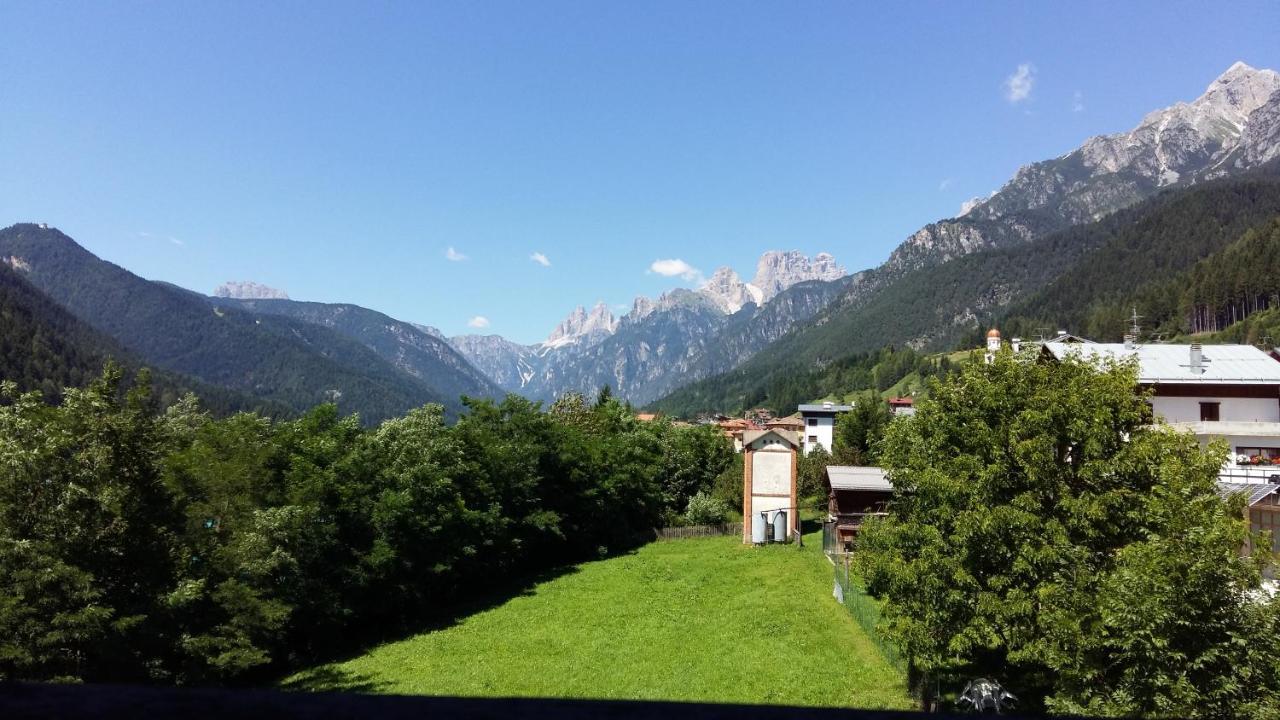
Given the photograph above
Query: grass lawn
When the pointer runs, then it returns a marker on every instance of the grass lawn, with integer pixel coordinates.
(698, 620)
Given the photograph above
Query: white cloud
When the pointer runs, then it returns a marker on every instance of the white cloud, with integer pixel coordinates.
(540, 259)
(454, 255)
(1077, 102)
(1017, 87)
(945, 184)
(478, 321)
(675, 267)
(152, 236)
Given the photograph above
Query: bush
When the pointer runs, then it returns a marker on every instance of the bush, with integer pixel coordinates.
(811, 473)
(728, 485)
(705, 510)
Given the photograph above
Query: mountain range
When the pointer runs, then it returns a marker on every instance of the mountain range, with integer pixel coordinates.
(288, 354)
(662, 343)
(1176, 190)
(1033, 253)
(687, 336)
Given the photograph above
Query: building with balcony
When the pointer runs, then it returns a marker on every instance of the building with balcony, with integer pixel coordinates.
(1228, 392)
(819, 425)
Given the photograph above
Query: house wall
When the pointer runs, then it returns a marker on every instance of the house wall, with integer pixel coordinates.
(1239, 409)
(824, 431)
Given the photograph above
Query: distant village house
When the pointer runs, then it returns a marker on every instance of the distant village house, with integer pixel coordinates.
(819, 425)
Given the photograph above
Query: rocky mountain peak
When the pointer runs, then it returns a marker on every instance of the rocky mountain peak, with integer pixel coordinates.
(727, 291)
(778, 270)
(1232, 127)
(248, 290)
(641, 307)
(582, 325)
(430, 330)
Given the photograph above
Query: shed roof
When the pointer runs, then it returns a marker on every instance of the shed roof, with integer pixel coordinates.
(1254, 491)
(1223, 364)
(858, 477)
(788, 436)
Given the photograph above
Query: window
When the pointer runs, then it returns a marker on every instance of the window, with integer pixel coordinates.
(1209, 411)
(813, 438)
(813, 422)
(1257, 456)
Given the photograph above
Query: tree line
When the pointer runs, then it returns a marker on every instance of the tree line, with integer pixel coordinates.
(783, 391)
(167, 546)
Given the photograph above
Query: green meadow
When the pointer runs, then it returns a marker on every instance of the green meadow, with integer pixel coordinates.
(705, 620)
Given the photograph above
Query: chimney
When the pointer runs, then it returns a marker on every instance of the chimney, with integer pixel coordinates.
(1197, 359)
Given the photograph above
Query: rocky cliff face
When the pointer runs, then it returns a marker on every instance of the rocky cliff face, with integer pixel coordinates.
(248, 290)
(510, 365)
(776, 271)
(582, 327)
(1233, 127)
(727, 291)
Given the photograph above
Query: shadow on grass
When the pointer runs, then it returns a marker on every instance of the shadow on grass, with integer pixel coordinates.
(811, 525)
(330, 678)
(325, 675)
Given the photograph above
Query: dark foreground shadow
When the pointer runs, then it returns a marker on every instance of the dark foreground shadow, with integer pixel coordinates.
(121, 702)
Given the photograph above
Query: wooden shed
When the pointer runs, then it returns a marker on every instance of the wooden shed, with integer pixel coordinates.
(855, 493)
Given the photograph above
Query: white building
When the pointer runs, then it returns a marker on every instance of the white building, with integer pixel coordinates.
(819, 425)
(1214, 391)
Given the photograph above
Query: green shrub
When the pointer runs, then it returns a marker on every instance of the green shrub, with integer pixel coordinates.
(705, 510)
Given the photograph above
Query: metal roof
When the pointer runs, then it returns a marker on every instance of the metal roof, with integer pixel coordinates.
(819, 408)
(856, 477)
(1254, 491)
(1223, 364)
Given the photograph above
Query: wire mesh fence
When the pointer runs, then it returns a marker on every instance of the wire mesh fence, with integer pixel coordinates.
(848, 591)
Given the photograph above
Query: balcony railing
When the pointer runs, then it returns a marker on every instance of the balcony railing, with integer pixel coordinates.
(855, 519)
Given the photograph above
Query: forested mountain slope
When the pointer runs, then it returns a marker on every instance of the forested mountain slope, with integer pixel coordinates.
(44, 347)
(1162, 267)
(426, 357)
(278, 359)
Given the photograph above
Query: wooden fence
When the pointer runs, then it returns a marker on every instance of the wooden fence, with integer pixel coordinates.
(696, 531)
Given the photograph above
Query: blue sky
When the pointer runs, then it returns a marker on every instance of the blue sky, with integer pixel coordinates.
(338, 151)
